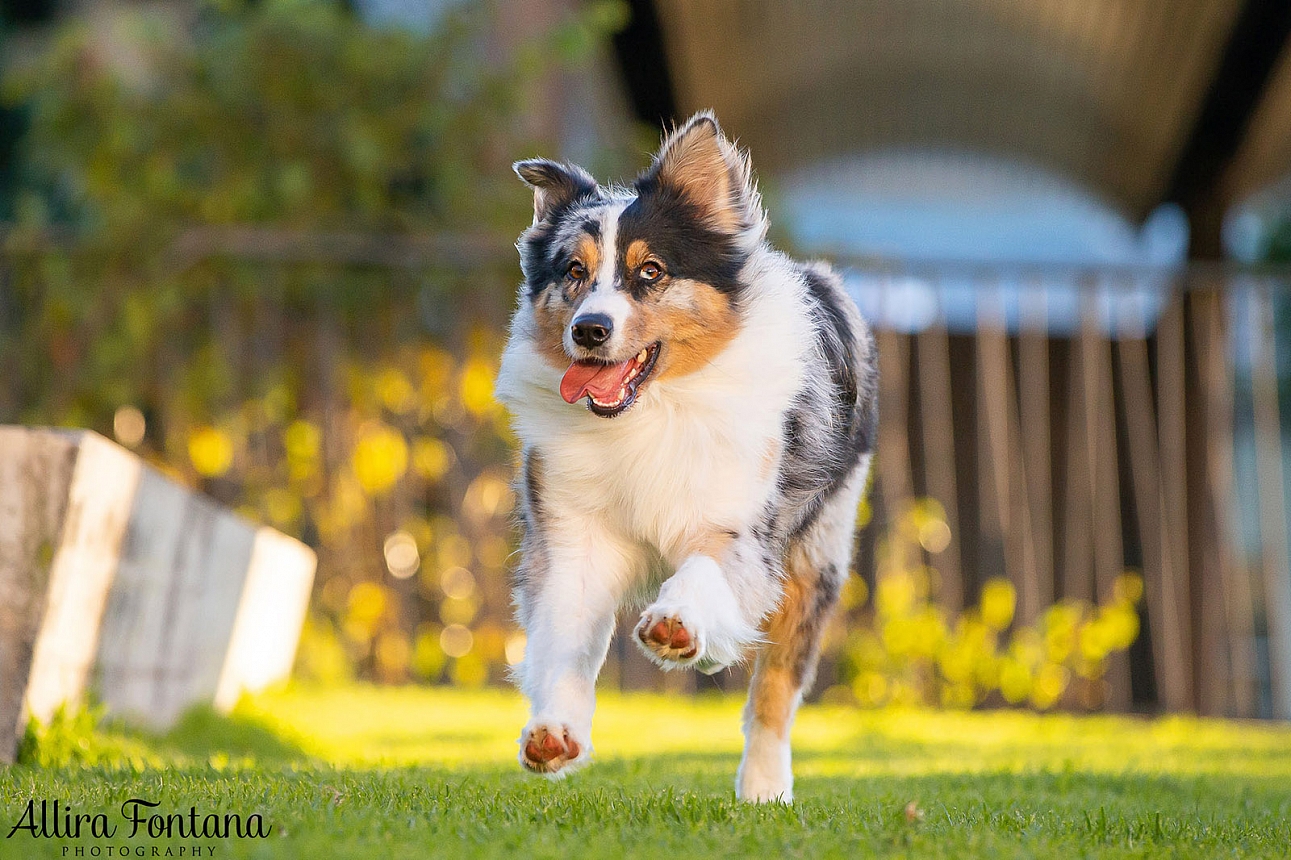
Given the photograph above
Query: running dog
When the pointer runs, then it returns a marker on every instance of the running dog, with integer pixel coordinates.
(697, 413)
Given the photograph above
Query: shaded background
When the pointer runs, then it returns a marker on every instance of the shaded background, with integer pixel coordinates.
(269, 246)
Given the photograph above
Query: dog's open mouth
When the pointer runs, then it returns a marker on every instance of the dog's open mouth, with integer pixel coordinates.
(610, 388)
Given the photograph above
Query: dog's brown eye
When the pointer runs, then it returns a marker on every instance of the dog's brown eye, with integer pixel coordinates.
(651, 271)
(576, 271)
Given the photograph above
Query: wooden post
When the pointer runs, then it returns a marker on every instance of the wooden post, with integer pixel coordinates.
(34, 474)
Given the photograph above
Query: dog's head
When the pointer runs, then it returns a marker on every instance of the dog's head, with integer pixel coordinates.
(632, 285)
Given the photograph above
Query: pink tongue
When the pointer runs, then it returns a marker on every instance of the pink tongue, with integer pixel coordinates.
(603, 381)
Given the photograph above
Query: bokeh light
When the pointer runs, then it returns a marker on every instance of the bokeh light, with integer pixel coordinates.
(456, 640)
(129, 426)
(401, 555)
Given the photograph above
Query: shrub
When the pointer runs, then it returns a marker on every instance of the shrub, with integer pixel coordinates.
(908, 650)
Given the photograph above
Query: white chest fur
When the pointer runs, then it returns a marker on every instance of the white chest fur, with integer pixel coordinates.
(694, 454)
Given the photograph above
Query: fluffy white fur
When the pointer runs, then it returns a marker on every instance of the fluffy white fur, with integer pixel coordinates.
(632, 506)
(625, 491)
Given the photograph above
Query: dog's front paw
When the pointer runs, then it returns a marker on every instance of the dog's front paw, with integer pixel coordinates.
(551, 748)
(667, 639)
(676, 637)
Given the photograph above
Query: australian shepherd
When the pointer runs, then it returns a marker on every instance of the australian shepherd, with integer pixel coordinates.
(697, 413)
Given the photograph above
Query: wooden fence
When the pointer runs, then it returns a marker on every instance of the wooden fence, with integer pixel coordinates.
(1073, 423)
(1076, 423)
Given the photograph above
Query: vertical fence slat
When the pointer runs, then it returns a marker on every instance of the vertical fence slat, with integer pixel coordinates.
(1217, 640)
(1104, 471)
(894, 449)
(1171, 428)
(1272, 501)
(1033, 386)
(1162, 599)
(1077, 561)
(1010, 485)
(1234, 580)
(935, 398)
(996, 557)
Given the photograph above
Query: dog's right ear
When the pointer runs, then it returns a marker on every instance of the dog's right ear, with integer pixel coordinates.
(554, 185)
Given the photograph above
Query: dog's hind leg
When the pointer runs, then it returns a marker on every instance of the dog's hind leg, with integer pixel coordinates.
(816, 565)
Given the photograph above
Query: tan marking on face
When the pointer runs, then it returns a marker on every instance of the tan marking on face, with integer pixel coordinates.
(551, 316)
(588, 253)
(638, 252)
(695, 323)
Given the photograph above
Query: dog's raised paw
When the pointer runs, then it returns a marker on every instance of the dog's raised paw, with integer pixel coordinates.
(550, 749)
(667, 639)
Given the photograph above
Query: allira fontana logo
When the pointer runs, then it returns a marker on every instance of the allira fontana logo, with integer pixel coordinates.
(139, 818)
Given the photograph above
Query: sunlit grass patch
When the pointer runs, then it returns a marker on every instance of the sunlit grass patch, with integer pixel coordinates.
(364, 725)
(363, 771)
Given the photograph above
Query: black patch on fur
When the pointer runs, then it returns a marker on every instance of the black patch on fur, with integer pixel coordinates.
(840, 351)
(532, 488)
(796, 480)
(563, 185)
(818, 459)
(541, 260)
(811, 626)
(677, 233)
(536, 257)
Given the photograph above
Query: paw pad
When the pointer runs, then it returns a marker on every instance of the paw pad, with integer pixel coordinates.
(545, 751)
(670, 633)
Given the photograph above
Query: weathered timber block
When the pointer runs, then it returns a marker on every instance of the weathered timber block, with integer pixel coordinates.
(116, 580)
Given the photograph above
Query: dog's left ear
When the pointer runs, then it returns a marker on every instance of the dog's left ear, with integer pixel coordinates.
(554, 185)
(705, 168)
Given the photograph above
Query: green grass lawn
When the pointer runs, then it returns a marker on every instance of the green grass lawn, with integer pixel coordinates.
(393, 773)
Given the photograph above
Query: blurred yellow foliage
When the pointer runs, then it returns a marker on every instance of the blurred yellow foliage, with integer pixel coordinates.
(476, 387)
(428, 658)
(395, 392)
(913, 654)
(366, 605)
(458, 610)
(999, 599)
(488, 496)
(303, 442)
(470, 670)
(454, 551)
(282, 507)
(456, 640)
(211, 451)
(436, 368)
(431, 458)
(392, 654)
(380, 458)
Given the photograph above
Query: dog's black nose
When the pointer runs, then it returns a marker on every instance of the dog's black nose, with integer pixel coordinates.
(591, 330)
